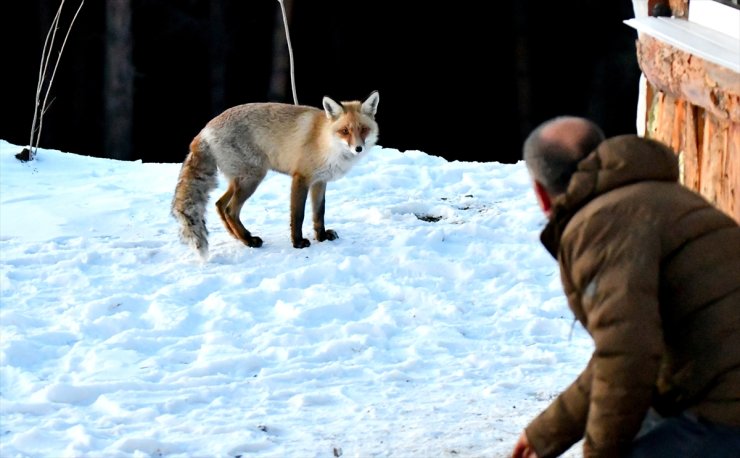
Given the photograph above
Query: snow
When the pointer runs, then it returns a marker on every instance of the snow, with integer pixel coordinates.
(435, 326)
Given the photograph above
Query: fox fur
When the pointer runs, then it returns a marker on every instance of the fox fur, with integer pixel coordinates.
(313, 146)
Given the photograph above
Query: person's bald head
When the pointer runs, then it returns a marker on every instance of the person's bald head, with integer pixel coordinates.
(552, 151)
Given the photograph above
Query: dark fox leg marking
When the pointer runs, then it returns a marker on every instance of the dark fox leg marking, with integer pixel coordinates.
(318, 204)
(298, 195)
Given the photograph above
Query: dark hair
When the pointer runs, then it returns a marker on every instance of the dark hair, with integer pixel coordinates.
(552, 159)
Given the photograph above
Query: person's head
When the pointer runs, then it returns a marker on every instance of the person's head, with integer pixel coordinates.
(552, 153)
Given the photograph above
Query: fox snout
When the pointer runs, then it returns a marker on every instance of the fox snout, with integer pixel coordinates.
(357, 148)
(354, 138)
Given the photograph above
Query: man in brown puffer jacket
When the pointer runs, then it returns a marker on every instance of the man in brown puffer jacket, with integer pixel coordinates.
(652, 271)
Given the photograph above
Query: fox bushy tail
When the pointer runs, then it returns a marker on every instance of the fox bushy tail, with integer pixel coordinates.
(196, 181)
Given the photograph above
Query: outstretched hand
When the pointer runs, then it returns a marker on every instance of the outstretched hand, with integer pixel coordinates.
(523, 449)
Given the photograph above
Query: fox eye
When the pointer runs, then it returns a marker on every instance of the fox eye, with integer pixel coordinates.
(364, 130)
(344, 131)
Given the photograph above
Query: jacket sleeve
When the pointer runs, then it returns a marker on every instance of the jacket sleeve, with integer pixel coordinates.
(614, 265)
(563, 423)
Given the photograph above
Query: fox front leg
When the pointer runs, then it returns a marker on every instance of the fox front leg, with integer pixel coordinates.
(298, 195)
(318, 204)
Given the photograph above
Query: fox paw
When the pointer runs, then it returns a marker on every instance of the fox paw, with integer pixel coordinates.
(302, 243)
(254, 242)
(326, 235)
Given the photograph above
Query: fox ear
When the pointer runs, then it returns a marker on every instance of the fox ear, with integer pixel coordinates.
(370, 105)
(333, 109)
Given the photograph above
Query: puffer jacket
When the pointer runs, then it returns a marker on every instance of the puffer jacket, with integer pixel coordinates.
(652, 271)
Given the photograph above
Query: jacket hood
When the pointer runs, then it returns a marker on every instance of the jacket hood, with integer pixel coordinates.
(616, 162)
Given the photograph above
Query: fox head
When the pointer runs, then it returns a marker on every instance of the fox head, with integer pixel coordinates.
(353, 123)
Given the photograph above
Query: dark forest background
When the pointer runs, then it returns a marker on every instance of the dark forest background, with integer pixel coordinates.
(462, 80)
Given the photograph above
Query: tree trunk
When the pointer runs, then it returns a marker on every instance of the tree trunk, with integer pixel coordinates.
(523, 74)
(280, 75)
(217, 49)
(119, 80)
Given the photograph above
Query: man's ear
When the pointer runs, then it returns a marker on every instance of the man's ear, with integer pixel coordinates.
(543, 198)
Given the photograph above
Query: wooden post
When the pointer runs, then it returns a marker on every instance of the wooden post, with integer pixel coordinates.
(119, 80)
(217, 48)
(696, 110)
(680, 74)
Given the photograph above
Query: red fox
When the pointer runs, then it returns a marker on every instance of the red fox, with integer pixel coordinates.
(246, 141)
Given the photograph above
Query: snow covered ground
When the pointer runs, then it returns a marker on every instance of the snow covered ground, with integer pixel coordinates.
(435, 326)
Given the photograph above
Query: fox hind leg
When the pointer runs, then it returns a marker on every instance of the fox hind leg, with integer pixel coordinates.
(221, 209)
(229, 207)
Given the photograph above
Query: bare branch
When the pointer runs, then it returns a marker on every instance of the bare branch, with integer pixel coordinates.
(43, 65)
(39, 107)
(54, 72)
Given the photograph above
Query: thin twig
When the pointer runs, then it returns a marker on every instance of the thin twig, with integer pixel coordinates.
(39, 111)
(54, 72)
(43, 65)
(48, 106)
(290, 52)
